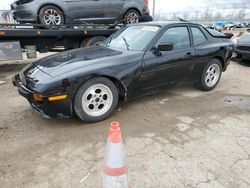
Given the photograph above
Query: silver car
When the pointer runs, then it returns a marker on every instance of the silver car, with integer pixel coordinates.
(57, 12)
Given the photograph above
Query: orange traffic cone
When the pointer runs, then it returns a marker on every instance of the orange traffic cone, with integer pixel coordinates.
(114, 170)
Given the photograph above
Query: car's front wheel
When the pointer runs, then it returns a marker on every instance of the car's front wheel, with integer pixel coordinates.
(51, 15)
(96, 100)
(211, 75)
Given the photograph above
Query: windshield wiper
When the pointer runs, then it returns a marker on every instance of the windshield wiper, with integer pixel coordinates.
(110, 39)
(126, 43)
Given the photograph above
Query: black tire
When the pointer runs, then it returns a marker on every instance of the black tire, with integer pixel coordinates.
(131, 12)
(57, 12)
(203, 85)
(78, 106)
(92, 41)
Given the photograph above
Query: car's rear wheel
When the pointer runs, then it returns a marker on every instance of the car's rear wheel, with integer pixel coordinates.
(51, 15)
(131, 16)
(96, 100)
(211, 75)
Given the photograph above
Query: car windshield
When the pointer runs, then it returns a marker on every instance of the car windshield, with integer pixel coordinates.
(132, 38)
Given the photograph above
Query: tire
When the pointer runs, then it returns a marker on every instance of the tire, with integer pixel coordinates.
(211, 75)
(55, 12)
(93, 41)
(99, 107)
(131, 16)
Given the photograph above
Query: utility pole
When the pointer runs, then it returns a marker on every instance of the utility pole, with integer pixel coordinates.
(154, 9)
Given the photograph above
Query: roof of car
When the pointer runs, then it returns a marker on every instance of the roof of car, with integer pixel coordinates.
(166, 23)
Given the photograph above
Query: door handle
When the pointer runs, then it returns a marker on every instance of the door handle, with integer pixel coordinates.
(189, 54)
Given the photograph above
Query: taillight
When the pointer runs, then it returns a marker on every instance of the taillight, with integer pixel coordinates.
(146, 1)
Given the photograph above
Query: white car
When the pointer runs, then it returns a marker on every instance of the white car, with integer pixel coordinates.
(230, 25)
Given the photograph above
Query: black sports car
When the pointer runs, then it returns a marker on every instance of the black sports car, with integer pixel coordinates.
(137, 60)
(243, 46)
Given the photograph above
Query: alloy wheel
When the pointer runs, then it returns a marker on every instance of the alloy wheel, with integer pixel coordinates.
(97, 100)
(132, 18)
(212, 75)
(52, 17)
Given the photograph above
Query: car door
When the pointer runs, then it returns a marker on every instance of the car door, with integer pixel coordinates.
(203, 51)
(85, 9)
(113, 8)
(170, 66)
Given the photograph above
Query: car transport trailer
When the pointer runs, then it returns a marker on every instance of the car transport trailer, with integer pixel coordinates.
(15, 38)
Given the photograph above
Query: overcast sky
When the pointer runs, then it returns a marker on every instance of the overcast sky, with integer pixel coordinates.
(173, 6)
(191, 6)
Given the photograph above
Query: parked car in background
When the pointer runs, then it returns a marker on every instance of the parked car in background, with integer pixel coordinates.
(247, 24)
(241, 24)
(137, 60)
(59, 12)
(242, 49)
(230, 25)
(219, 25)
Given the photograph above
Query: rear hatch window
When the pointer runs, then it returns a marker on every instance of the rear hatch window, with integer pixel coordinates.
(215, 33)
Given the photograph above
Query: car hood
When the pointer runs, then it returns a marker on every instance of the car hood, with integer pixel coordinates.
(61, 63)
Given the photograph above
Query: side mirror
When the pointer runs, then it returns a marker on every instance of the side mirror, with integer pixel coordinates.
(167, 46)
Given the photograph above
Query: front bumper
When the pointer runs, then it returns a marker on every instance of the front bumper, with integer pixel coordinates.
(25, 12)
(48, 109)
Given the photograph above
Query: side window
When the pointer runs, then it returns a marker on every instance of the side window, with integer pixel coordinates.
(198, 36)
(179, 36)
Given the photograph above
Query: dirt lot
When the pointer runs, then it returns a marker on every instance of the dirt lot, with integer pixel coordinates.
(179, 138)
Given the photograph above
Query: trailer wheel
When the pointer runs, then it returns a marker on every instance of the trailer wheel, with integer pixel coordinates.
(92, 41)
(51, 15)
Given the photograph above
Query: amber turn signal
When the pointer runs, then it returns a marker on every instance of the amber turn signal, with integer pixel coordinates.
(56, 98)
(38, 97)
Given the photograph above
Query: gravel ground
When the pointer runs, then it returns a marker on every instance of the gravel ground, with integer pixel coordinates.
(182, 137)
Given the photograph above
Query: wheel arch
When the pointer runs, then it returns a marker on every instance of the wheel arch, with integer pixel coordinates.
(221, 59)
(131, 8)
(122, 89)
